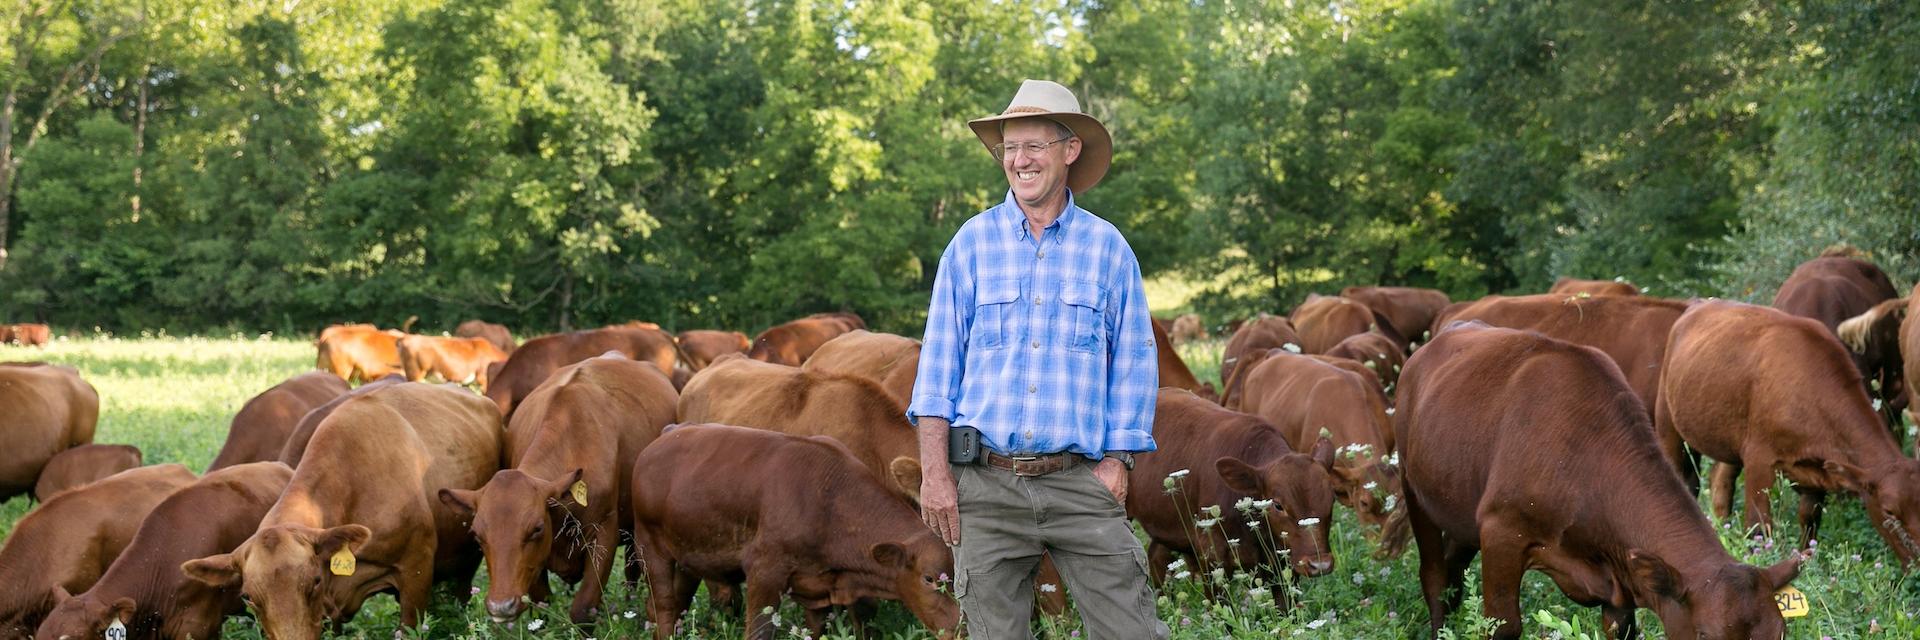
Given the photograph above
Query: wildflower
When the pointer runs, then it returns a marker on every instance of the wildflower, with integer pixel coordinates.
(1183, 575)
(1233, 542)
(1176, 564)
(1245, 504)
(1317, 624)
(1370, 485)
(629, 615)
(1186, 621)
(1207, 523)
(1291, 347)
(1179, 474)
(1253, 524)
(1212, 510)
(1074, 634)
(1048, 587)
(1389, 504)
(1219, 575)
(1359, 578)
(944, 577)
(1389, 410)
(1262, 504)
(474, 592)
(1308, 522)
(536, 624)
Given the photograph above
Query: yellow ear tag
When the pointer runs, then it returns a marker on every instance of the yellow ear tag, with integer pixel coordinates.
(579, 491)
(342, 563)
(1792, 602)
(115, 631)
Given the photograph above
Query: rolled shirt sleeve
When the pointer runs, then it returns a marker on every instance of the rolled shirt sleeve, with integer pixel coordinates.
(1133, 370)
(936, 386)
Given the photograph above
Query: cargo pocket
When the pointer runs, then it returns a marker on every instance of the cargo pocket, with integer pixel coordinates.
(1085, 324)
(994, 302)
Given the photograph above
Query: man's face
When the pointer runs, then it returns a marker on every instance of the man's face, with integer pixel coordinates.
(1037, 178)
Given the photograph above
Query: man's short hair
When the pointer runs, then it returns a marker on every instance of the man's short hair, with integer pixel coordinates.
(1059, 130)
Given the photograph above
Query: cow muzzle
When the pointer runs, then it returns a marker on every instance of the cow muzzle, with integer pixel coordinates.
(503, 611)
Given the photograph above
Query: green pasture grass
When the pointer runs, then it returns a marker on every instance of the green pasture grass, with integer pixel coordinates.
(173, 397)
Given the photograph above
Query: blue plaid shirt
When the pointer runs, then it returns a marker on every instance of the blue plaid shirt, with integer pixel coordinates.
(1044, 346)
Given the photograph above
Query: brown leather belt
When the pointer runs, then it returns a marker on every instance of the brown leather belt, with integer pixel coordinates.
(1030, 466)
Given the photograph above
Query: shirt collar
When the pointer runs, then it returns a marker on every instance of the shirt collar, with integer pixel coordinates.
(1056, 231)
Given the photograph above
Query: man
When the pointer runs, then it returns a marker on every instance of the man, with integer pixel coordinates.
(1038, 336)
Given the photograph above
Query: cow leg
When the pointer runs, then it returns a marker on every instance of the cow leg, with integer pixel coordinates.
(1618, 623)
(587, 600)
(1441, 566)
(540, 591)
(1813, 502)
(416, 586)
(765, 584)
(1674, 446)
(1158, 557)
(669, 592)
(1759, 511)
(1725, 474)
(1503, 560)
(1054, 602)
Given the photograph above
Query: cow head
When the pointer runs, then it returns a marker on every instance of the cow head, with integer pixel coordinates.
(920, 569)
(514, 519)
(906, 477)
(1876, 333)
(1734, 602)
(1374, 490)
(283, 572)
(1891, 492)
(1298, 494)
(83, 617)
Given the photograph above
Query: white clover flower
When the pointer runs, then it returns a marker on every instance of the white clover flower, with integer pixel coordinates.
(1048, 587)
(536, 624)
(1359, 578)
(1179, 474)
(1291, 347)
(1176, 564)
(1308, 522)
(1392, 500)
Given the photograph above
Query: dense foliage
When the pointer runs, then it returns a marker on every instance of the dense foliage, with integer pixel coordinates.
(550, 163)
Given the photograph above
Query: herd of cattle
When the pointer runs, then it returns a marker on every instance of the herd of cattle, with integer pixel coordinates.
(1558, 432)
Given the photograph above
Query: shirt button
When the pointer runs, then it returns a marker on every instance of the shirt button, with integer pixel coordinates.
(1029, 434)
(1041, 254)
(1036, 344)
(1033, 389)
(1039, 300)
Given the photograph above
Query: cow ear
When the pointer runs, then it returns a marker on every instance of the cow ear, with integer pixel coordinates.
(1323, 453)
(1654, 574)
(219, 571)
(350, 536)
(121, 610)
(1850, 477)
(59, 595)
(1784, 571)
(1239, 476)
(889, 554)
(906, 473)
(560, 489)
(460, 500)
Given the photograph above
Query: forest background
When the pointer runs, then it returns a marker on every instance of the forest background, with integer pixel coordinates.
(202, 165)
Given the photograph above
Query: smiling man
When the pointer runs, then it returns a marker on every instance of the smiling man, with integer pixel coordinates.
(1038, 338)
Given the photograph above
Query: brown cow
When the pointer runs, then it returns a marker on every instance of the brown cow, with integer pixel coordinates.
(1323, 321)
(295, 446)
(540, 357)
(71, 539)
(48, 410)
(1834, 289)
(361, 514)
(703, 346)
(1173, 370)
(582, 427)
(792, 343)
(782, 526)
(259, 431)
(1255, 336)
(1409, 310)
(1566, 286)
(852, 409)
(6, 333)
(1890, 333)
(29, 335)
(885, 358)
(497, 335)
(144, 589)
(1305, 398)
(359, 352)
(1536, 454)
(1186, 328)
(459, 360)
(1211, 458)
(1374, 350)
(1795, 406)
(1630, 329)
(83, 464)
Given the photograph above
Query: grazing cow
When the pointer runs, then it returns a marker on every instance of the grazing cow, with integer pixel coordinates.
(49, 409)
(703, 346)
(497, 335)
(540, 357)
(792, 343)
(361, 514)
(1173, 370)
(359, 352)
(1241, 464)
(452, 359)
(784, 527)
(1374, 350)
(1186, 328)
(570, 453)
(1409, 310)
(83, 464)
(1536, 454)
(1323, 321)
(1630, 329)
(1566, 286)
(1890, 333)
(260, 430)
(1255, 336)
(1795, 407)
(144, 589)
(890, 360)
(1835, 288)
(1304, 398)
(6, 333)
(66, 544)
(29, 335)
(295, 446)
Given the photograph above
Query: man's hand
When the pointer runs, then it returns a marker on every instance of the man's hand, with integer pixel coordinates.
(940, 507)
(1112, 473)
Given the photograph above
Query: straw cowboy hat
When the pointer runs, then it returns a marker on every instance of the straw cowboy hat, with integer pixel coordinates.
(1050, 100)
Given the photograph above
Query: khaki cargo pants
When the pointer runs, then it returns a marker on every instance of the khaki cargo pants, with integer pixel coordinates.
(1007, 520)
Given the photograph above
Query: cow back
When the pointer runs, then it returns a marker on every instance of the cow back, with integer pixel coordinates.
(259, 431)
(703, 346)
(497, 335)
(1410, 310)
(83, 464)
(595, 414)
(49, 409)
(1323, 321)
(71, 539)
(1592, 288)
(1173, 370)
(892, 361)
(1302, 395)
(795, 341)
(533, 362)
(1630, 329)
(1255, 336)
(295, 447)
(857, 412)
(1381, 357)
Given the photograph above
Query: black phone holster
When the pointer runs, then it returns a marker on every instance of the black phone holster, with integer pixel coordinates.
(963, 445)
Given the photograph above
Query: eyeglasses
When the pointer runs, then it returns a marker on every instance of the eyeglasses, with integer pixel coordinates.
(1001, 151)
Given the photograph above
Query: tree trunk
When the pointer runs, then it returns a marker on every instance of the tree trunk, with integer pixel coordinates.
(565, 312)
(7, 106)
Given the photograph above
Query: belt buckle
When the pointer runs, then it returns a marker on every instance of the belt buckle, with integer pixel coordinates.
(1028, 466)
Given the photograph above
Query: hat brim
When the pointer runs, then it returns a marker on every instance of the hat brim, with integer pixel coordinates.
(1096, 145)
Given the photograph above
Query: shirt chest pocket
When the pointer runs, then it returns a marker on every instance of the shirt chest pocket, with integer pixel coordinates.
(1082, 321)
(994, 304)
